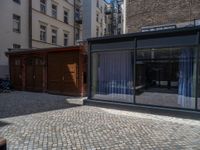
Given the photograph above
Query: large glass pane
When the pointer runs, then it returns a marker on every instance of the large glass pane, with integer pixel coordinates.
(112, 76)
(166, 77)
(198, 86)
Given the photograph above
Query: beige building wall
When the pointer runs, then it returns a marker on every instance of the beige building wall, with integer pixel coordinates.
(39, 18)
(7, 36)
(141, 13)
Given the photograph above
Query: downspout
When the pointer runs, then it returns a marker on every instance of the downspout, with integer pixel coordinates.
(30, 23)
(74, 22)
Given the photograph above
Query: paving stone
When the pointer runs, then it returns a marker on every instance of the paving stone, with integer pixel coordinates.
(91, 128)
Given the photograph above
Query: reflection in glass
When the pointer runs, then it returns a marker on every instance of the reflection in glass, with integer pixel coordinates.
(166, 77)
(112, 76)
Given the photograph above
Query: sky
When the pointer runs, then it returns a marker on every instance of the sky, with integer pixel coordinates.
(108, 1)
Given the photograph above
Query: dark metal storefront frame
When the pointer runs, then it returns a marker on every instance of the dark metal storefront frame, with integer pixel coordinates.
(175, 38)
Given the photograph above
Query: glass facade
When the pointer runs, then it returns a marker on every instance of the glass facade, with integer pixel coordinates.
(161, 71)
(198, 87)
(112, 76)
(166, 77)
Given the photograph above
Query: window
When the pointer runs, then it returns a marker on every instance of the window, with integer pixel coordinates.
(98, 3)
(66, 17)
(43, 6)
(17, 1)
(97, 18)
(43, 33)
(16, 23)
(77, 34)
(54, 11)
(119, 31)
(112, 76)
(16, 46)
(77, 13)
(97, 31)
(120, 19)
(166, 77)
(54, 36)
(65, 39)
(105, 19)
(105, 31)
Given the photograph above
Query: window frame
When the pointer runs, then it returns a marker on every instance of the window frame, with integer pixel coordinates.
(43, 33)
(17, 22)
(54, 33)
(43, 6)
(54, 11)
(17, 1)
(65, 39)
(66, 16)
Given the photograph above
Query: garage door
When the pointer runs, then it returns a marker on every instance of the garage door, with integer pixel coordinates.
(62, 73)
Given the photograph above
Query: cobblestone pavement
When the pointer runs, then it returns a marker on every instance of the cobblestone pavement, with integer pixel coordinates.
(91, 128)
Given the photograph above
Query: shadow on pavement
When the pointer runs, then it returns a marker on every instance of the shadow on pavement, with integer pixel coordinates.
(2, 124)
(148, 110)
(24, 103)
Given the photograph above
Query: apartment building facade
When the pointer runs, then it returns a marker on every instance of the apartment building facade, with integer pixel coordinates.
(96, 23)
(117, 13)
(142, 14)
(54, 23)
(14, 29)
(38, 24)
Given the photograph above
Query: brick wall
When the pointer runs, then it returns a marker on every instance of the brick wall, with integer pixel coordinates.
(141, 13)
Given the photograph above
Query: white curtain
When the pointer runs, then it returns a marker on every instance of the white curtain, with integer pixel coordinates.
(115, 76)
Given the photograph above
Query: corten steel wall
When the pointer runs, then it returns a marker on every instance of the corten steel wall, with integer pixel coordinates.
(141, 13)
(19, 79)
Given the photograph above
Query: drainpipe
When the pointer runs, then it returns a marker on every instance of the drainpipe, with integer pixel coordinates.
(30, 23)
(74, 22)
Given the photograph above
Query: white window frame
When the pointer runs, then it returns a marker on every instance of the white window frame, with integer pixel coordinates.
(54, 11)
(43, 6)
(16, 46)
(66, 17)
(16, 23)
(54, 33)
(65, 38)
(97, 31)
(43, 33)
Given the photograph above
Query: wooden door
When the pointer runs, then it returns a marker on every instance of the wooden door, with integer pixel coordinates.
(16, 72)
(54, 72)
(69, 71)
(38, 74)
(34, 74)
(30, 74)
(62, 73)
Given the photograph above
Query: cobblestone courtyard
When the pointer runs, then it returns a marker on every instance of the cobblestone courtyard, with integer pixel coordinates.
(42, 121)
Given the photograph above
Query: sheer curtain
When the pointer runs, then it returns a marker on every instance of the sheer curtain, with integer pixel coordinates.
(115, 76)
(187, 73)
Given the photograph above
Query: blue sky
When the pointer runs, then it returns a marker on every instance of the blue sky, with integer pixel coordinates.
(108, 0)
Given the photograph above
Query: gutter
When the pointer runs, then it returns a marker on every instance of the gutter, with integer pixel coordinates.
(30, 23)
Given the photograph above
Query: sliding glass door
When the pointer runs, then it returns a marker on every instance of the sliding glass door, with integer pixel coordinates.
(112, 76)
(166, 77)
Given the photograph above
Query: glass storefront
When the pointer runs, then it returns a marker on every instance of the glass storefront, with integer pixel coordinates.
(154, 69)
(166, 77)
(198, 86)
(112, 76)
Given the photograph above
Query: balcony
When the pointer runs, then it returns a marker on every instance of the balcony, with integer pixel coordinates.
(108, 11)
(78, 3)
(78, 19)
